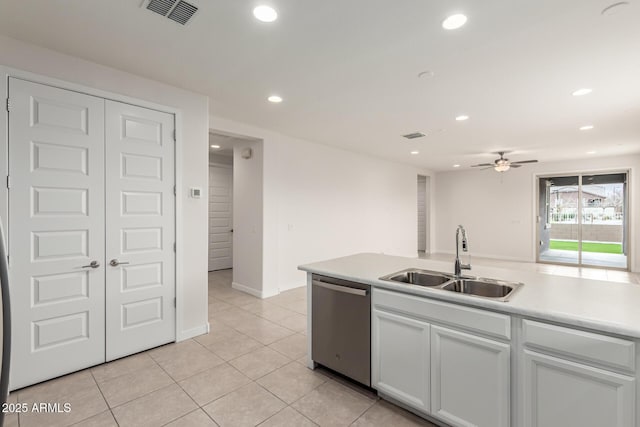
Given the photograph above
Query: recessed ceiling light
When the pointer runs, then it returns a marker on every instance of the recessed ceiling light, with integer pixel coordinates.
(215, 146)
(265, 13)
(456, 166)
(591, 152)
(462, 118)
(415, 152)
(587, 127)
(454, 22)
(275, 99)
(581, 92)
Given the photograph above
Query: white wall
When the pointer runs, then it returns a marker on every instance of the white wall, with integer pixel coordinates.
(321, 202)
(247, 218)
(221, 160)
(192, 248)
(334, 203)
(498, 210)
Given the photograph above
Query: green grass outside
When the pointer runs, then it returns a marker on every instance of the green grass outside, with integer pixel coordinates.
(603, 248)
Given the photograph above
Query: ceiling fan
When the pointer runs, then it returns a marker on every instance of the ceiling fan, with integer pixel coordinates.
(503, 164)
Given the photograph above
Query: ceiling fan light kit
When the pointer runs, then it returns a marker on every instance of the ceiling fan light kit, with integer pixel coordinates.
(502, 167)
(503, 164)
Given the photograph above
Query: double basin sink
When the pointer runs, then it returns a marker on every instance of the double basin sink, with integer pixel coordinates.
(477, 286)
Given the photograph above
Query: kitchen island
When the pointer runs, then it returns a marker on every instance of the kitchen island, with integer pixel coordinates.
(561, 351)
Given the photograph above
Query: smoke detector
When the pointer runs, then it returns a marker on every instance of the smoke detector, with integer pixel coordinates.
(179, 11)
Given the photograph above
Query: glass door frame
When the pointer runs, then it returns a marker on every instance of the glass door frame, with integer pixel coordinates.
(626, 213)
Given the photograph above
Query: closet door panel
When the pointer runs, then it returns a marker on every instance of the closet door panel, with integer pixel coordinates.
(56, 231)
(140, 219)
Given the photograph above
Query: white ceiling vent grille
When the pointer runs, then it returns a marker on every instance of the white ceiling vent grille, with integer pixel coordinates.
(177, 10)
(183, 12)
(161, 6)
(413, 135)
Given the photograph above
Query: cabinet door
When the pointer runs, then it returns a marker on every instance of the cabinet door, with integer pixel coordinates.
(470, 379)
(562, 393)
(400, 358)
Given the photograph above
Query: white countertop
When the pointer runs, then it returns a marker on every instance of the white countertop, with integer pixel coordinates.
(609, 307)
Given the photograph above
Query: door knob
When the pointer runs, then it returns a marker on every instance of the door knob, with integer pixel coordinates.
(114, 263)
(92, 264)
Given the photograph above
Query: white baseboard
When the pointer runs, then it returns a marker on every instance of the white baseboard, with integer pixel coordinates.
(252, 291)
(193, 332)
(292, 286)
(247, 289)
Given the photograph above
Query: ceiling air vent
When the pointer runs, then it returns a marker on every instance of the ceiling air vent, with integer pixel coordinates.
(161, 6)
(177, 10)
(183, 12)
(413, 135)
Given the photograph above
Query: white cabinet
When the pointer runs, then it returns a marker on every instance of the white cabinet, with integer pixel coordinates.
(564, 393)
(400, 358)
(470, 384)
(462, 378)
(453, 363)
(587, 379)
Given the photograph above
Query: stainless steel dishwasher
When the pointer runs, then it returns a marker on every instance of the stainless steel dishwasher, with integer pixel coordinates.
(341, 327)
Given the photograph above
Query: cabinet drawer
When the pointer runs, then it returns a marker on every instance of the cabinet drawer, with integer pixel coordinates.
(602, 349)
(486, 322)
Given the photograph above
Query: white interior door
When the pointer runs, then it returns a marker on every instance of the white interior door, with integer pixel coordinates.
(56, 214)
(140, 223)
(220, 218)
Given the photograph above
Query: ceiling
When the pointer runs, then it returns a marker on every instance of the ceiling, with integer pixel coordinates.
(221, 144)
(348, 70)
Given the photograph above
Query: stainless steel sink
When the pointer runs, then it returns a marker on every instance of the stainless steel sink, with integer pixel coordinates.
(418, 277)
(497, 290)
(486, 288)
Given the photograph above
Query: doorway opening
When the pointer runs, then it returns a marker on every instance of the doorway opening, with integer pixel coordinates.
(220, 200)
(423, 197)
(583, 220)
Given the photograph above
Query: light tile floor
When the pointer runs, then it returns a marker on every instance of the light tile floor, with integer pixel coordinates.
(250, 370)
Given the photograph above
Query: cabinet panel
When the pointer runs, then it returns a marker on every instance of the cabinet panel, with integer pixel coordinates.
(588, 346)
(400, 358)
(567, 394)
(470, 379)
(472, 319)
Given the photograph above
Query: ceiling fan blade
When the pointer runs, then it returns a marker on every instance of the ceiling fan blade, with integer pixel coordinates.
(482, 165)
(515, 166)
(524, 161)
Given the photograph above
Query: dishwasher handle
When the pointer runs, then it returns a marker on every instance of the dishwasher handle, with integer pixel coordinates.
(338, 288)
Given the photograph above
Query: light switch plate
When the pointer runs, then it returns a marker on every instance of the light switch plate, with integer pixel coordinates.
(196, 192)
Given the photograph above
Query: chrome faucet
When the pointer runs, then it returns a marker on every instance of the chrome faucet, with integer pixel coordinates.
(458, 267)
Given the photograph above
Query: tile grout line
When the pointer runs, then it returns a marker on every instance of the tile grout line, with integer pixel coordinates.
(231, 391)
(146, 394)
(103, 396)
(192, 399)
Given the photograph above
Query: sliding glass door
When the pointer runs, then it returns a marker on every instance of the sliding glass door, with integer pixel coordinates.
(583, 220)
